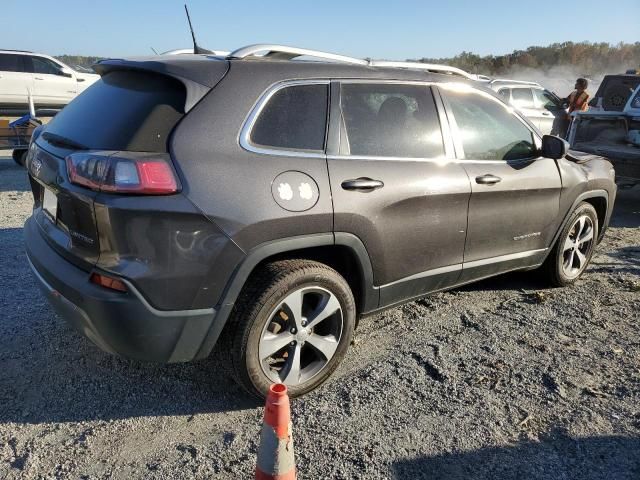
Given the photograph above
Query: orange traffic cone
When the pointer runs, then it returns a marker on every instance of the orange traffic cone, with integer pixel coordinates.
(275, 455)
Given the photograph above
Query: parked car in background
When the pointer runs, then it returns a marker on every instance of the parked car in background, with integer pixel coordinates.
(51, 83)
(541, 106)
(268, 203)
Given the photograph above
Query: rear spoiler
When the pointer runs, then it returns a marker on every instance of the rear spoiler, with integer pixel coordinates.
(198, 75)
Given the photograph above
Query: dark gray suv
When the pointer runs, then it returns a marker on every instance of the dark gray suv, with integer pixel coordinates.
(264, 203)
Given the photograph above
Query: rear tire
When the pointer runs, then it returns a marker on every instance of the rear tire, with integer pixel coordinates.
(574, 248)
(19, 156)
(292, 323)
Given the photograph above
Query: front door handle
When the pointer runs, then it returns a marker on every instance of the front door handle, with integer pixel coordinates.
(488, 179)
(363, 184)
(39, 78)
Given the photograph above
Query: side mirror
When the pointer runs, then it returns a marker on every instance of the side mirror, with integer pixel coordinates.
(554, 147)
(66, 72)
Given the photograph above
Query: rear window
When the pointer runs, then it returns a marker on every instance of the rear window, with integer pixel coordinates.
(123, 110)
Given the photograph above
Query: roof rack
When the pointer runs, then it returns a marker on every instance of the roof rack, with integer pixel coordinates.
(506, 80)
(431, 67)
(283, 52)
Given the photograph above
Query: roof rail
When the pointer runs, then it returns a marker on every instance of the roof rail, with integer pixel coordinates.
(283, 52)
(506, 80)
(431, 67)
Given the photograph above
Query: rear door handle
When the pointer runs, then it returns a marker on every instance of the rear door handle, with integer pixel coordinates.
(39, 78)
(363, 184)
(487, 179)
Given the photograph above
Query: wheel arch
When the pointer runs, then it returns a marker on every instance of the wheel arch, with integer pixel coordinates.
(599, 199)
(343, 252)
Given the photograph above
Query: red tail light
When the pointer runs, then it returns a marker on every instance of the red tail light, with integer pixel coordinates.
(142, 173)
(108, 282)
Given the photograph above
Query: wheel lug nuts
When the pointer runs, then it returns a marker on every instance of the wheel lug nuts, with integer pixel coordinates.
(293, 330)
(293, 343)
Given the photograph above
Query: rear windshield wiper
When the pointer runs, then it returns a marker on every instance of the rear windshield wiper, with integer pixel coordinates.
(63, 141)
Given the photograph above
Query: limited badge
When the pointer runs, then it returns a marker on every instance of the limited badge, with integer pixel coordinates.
(295, 191)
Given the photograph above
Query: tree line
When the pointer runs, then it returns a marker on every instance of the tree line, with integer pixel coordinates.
(586, 57)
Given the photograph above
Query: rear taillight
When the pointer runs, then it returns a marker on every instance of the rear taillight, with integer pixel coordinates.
(108, 282)
(142, 173)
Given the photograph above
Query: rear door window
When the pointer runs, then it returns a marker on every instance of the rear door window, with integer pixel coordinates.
(487, 129)
(44, 65)
(124, 110)
(11, 63)
(294, 117)
(390, 120)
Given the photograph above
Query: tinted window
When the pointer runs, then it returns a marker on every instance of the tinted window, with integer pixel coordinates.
(391, 120)
(522, 97)
(506, 94)
(123, 111)
(294, 117)
(44, 65)
(488, 130)
(11, 63)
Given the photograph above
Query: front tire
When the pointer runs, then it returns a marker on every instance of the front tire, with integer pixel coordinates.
(574, 248)
(292, 324)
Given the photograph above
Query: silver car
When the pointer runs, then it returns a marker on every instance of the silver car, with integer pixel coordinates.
(541, 106)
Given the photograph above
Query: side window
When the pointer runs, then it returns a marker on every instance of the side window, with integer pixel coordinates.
(545, 99)
(506, 94)
(487, 128)
(10, 63)
(522, 97)
(391, 120)
(44, 65)
(294, 117)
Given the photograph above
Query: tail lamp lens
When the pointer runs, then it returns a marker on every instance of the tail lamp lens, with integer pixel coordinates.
(135, 173)
(108, 282)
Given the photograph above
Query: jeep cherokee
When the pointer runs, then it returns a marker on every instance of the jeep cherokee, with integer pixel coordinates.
(264, 203)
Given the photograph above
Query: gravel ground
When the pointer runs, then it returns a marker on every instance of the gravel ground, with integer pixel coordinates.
(502, 379)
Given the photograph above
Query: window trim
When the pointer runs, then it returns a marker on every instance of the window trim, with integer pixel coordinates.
(455, 132)
(244, 138)
(445, 130)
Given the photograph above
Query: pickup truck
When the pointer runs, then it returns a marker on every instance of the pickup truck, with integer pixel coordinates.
(611, 128)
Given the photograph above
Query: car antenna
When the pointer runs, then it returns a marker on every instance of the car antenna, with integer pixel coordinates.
(154, 50)
(196, 48)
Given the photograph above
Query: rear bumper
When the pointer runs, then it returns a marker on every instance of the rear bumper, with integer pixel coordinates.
(119, 323)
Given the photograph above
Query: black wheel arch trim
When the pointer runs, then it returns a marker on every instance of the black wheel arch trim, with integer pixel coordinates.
(370, 294)
(581, 198)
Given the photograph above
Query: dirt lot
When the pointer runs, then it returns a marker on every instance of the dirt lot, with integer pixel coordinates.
(502, 379)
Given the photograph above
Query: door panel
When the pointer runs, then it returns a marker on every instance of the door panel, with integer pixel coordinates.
(413, 221)
(50, 86)
(514, 195)
(516, 214)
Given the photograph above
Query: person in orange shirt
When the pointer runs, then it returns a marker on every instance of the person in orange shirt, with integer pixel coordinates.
(578, 100)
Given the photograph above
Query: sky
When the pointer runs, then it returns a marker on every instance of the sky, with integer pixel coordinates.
(398, 29)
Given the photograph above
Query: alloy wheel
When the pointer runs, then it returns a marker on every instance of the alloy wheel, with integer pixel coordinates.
(301, 336)
(577, 246)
